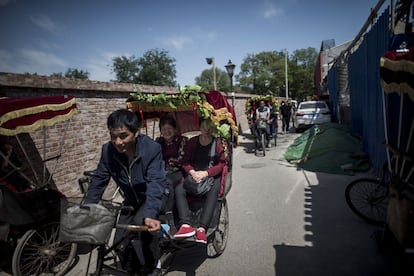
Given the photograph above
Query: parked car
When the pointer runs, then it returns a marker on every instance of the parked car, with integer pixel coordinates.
(311, 113)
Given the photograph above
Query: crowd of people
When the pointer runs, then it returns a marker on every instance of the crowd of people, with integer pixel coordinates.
(145, 169)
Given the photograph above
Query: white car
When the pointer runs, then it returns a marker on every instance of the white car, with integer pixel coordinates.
(312, 113)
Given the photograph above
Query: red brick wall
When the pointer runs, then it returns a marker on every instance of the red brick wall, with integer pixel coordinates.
(86, 131)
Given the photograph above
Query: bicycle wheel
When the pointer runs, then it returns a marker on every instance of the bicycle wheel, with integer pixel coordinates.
(39, 252)
(368, 198)
(220, 236)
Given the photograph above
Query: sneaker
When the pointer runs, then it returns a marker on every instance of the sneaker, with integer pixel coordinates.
(268, 145)
(201, 235)
(185, 231)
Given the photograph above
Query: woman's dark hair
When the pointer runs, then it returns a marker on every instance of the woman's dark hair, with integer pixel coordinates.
(168, 119)
(123, 118)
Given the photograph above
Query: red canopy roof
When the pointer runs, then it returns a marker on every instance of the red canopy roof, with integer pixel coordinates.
(24, 115)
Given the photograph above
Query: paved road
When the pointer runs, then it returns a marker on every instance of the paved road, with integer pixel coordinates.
(285, 222)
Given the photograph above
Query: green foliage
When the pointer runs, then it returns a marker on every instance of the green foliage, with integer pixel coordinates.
(155, 67)
(206, 79)
(264, 73)
(126, 69)
(187, 96)
(73, 73)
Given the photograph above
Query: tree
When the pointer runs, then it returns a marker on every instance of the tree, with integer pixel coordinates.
(126, 69)
(262, 73)
(155, 67)
(206, 80)
(73, 73)
(301, 72)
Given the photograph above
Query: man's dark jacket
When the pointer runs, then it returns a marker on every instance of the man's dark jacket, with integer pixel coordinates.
(143, 182)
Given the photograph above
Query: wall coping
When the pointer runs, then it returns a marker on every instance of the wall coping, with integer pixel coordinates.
(46, 82)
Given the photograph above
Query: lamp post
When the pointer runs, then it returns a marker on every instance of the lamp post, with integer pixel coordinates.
(230, 71)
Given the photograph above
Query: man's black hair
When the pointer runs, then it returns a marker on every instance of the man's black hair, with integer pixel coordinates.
(123, 118)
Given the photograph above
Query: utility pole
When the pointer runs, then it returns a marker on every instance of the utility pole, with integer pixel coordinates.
(211, 61)
(286, 76)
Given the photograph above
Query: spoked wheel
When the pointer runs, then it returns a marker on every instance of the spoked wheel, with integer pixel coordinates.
(39, 252)
(368, 199)
(220, 236)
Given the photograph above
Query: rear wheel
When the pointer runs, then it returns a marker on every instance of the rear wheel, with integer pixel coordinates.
(39, 252)
(368, 199)
(220, 236)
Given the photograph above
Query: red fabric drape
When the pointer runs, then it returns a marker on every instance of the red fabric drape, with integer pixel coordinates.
(217, 100)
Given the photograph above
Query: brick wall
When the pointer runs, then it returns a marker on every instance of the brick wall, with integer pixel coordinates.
(86, 131)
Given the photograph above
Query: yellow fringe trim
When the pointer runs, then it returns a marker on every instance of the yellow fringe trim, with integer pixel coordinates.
(35, 109)
(37, 124)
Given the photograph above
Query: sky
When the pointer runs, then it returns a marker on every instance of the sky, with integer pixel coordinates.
(50, 36)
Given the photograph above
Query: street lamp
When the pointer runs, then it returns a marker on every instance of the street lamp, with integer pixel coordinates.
(230, 71)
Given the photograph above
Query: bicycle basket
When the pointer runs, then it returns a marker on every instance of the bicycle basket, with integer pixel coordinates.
(86, 223)
(261, 124)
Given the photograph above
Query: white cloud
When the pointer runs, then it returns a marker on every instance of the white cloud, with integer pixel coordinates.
(100, 68)
(41, 58)
(178, 42)
(44, 22)
(31, 61)
(271, 10)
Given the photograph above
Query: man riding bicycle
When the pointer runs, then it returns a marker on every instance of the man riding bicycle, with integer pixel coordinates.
(134, 161)
(263, 117)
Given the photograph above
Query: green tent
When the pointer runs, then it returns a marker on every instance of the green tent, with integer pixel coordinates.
(329, 148)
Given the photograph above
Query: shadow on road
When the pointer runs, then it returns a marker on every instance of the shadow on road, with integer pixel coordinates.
(338, 244)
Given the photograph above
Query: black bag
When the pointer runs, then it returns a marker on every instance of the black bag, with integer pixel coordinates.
(198, 188)
(205, 185)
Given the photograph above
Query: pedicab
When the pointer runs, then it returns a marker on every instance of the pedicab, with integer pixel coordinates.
(396, 70)
(258, 128)
(29, 218)
(188, 106)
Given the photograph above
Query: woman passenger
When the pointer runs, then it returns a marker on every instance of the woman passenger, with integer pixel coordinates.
(172, 145)
(196, 163)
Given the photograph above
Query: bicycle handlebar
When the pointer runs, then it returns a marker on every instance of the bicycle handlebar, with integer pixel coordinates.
(131, 227)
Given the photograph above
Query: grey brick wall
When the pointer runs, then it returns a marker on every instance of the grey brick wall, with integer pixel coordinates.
(87, 130)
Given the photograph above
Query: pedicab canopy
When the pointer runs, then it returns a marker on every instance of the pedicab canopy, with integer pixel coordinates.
(23, 115)
(397, 71)
(188, 105)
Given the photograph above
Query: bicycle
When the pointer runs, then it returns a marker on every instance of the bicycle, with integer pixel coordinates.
(260, 138)
(106, 260)
(368, 198)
